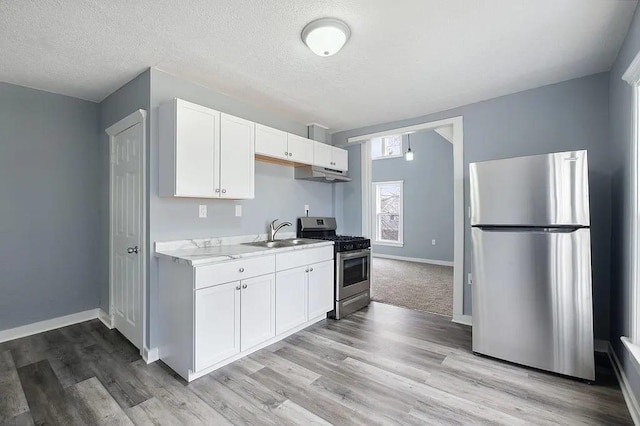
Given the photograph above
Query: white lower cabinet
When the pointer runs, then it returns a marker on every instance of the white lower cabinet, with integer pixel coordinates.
(320, 289)
(233, 317)
(257, 311)
(213, 314)
(217, 324)
(291, 298)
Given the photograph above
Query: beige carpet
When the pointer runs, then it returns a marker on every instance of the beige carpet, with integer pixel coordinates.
(413, 285)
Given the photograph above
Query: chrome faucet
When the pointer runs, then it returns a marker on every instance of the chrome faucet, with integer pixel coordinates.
(273, 230)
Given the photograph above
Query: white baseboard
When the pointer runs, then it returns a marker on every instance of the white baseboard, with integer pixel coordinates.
(627, 393)
(106, 319)
(50, 324)
(462, 319)
(413, 259)
(150, 355)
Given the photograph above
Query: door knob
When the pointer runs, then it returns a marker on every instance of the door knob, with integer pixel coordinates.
(131, 250)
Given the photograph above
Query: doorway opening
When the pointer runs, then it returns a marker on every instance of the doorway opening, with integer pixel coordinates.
(391, 224)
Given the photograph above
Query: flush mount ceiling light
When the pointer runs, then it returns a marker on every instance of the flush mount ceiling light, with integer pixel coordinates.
(326, 36)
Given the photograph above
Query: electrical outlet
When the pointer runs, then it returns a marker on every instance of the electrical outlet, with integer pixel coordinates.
(238, 210)
(202, 211)
(433, 242)
(470, 278)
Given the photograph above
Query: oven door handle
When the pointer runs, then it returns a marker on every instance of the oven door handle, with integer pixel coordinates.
(351, 255)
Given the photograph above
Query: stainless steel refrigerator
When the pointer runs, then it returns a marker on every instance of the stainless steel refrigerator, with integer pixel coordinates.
(531, 291)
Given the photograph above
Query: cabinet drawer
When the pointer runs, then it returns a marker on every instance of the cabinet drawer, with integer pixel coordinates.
(234, 270)
(304, 257)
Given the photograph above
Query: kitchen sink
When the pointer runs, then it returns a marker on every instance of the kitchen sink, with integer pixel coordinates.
(281, 243)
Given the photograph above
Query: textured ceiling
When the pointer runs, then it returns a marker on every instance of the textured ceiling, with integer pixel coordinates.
(405, 58)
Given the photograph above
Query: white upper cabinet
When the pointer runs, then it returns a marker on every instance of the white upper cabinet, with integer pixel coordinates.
(271, 142)
(205, 154)
(300, 149)
(340, 158)
(189, 149)
(237, 153)
(331, 157)
(275, 143)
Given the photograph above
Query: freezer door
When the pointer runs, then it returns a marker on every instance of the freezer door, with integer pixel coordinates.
(532, 299)
(540, 190)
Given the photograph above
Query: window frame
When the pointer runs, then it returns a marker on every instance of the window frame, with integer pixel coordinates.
(388, 157)
(376, 240)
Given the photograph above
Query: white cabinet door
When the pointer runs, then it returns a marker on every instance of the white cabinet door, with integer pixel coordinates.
(217, 324)
(339, 158)
(291, 298)
(300, 149)
(271, 142)
(257, 310)
(197, 153)
(322, 154)
(237, 154)
(320, 292)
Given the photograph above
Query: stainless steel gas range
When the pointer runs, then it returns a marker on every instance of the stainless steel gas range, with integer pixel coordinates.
(352, 264)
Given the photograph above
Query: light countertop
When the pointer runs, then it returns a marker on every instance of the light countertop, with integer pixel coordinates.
(199, 252)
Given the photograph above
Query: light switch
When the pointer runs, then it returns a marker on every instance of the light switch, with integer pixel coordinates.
(238, 210)
(202, 211)
(433, 242)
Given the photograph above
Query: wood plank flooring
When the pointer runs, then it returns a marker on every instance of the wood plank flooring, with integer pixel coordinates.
(382, 365)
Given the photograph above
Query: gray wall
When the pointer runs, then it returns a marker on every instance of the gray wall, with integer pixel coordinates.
(129, 98)
(50, 208)
(277, 194)
(428, 196)
(564, 116)
(621, 110)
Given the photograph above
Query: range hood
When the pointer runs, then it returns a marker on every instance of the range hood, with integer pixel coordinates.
(321, 174)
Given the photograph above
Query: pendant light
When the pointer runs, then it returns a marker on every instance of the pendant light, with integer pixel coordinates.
(409, 154)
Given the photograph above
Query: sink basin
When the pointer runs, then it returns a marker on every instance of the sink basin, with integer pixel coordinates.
(268, 244)
(281, 243)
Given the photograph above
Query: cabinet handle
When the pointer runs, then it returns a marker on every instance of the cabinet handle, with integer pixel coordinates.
(286, 153)
(307, 270)
(217, 189)
(224, 191)
(290, 154)
(244, 286)
(311, 269)
(237, 287)
(241, 270)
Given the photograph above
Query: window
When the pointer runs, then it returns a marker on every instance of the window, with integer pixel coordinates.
(386, 147)
(388, 213)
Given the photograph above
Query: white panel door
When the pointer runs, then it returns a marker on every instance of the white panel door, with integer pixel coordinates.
(197, 150)
(217, 324)
(300, 149)
(237, 157)
(126, 231)
(257, 310)
(271, 142)
(291, 298)
(339, 158)
(320, 292)
(322, 154)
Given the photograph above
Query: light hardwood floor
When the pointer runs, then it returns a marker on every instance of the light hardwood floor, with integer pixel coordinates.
(382, 365)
